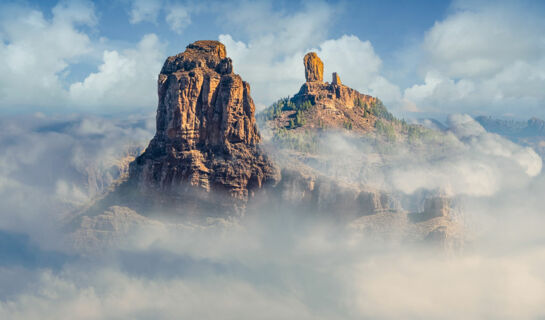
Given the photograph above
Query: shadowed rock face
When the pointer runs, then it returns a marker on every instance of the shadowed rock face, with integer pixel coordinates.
(206, 138)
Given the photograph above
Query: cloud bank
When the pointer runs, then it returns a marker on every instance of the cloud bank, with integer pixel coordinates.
(311, 270)
(483, 58)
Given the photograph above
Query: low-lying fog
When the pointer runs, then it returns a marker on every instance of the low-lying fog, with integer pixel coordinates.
(268, 266)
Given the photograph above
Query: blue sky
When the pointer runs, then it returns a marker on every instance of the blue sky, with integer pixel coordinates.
(420, 57)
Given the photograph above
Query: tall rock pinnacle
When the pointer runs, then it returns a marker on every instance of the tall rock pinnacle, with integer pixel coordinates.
(201, 100)
(332, 95)
(314, 67)
(206, 136)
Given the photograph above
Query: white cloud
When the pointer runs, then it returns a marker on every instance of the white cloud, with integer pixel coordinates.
(275, 73)
(35, 51)
(271, 59)
(358, 66)
(269, 261)
(38, 53)
(178, 18)
(49, 164)
(483, 58)
(477, 163)
(125, 79)
(144, 11)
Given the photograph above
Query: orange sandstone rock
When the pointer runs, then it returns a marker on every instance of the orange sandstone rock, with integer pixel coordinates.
(314, 67)
(207, 138)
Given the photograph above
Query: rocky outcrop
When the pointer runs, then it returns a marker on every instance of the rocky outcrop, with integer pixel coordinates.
(314, 67)
(335, 79)
(318, 194)
(332, 95)
(206, 138)
(320, 105)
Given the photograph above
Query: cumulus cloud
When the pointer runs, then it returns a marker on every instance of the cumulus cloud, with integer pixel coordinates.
(483, 57)
(36, 51)
(124, 80)
(177, 14)
(178, 18)
(51, 165)
(144, 10)
(358, 66)
(271, 59)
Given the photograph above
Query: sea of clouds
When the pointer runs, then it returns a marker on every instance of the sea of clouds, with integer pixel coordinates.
(480, 57)
(264, 266)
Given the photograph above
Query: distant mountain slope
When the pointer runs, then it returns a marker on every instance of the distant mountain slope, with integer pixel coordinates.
(528, 133)
(533, 127)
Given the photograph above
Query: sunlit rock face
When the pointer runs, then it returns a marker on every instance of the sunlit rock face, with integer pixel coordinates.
(314, 67)
(206, 138)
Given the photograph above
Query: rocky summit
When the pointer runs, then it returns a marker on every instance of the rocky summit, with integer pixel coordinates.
(206, 138)
(314, 67)
(321, 105)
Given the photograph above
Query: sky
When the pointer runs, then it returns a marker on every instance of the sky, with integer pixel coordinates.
(422, 58)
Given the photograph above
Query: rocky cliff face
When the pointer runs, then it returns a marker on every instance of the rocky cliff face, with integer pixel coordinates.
(206, 138)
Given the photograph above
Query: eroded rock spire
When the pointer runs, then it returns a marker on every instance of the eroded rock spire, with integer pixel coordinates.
(314, 67)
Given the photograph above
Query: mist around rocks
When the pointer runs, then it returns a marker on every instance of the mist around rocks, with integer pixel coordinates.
(269, 266)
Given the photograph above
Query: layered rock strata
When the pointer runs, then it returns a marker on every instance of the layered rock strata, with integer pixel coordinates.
(206, 138)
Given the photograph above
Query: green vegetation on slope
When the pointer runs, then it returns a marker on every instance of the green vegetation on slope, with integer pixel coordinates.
(305, 141)
(285, 104)
(389, 131)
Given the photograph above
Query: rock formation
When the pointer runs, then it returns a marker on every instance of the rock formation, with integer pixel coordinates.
(333, 94)
(206, 138)
(336, 80)
(334, 105)
(314, 67)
